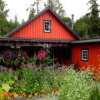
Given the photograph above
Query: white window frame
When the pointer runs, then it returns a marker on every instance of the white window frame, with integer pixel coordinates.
(45, 22)
(85, 54)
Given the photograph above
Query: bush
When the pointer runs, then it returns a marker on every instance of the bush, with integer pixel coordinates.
(11, 58)
(67, 85)
(95, 95)
(78, 86)
(34, 81)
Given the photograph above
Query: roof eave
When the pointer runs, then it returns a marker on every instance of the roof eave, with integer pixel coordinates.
(86, 41)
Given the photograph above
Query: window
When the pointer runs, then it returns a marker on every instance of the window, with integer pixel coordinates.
(84, 54)
(47, 26)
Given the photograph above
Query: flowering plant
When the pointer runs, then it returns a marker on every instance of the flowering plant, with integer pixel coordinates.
(41, 54)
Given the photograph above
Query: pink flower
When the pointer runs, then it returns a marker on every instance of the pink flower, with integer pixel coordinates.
(41, 54)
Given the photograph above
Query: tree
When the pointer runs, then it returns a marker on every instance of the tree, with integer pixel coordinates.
(5, 25)
(3, 15)
(3, 11)
(82, 26)
(88, 26)
(67, 21)
(94, 18)
(53, 4)
(31, 11)
(12, 24)
(56, 6)
(34, 9)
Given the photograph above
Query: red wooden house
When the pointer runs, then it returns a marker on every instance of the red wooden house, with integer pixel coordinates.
(47, 30)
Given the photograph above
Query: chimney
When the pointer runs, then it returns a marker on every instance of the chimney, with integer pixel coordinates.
(72, 21)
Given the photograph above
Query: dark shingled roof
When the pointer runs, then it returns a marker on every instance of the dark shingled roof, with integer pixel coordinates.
(32, 40)
(21, 40)
(86, 41)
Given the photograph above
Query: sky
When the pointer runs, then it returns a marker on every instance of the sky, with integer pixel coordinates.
(18, 8)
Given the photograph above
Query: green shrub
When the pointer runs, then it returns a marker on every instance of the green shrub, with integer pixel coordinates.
(24, 81)
(6, 81)
(70, 84)
(32, 59)
(95, 95)
(34, 81)
(11, 58)
(77, 86)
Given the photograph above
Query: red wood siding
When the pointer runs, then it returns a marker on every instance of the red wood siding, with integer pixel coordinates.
(34, 30)
(93, 60)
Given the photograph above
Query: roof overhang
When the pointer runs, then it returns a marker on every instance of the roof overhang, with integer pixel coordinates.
(86, 41)
(31, 42)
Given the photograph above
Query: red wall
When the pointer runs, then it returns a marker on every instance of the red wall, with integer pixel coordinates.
(94, 56)
(34, 30)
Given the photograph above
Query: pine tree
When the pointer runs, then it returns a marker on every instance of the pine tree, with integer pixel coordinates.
(3, 17)
(94, 18)
(12, 24)
(5, 25)
(82, 27)
(88, 26)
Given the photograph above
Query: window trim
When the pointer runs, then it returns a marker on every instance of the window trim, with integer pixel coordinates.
(86, 55)
(44, 26)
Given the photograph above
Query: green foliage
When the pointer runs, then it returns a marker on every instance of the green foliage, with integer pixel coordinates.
(78, 86)
(48, 61)
(3, 11)
(6, 87)
(12, 24)
(5, 25)
(67, 21)
(24, 81)
(88, 26)
(53, 4)
(32, 60)
(3, 15)
(72, 85)
(6, 81)
(95, 95)
(94, 17)
(69, 84)
(37, 81)
(82, 26)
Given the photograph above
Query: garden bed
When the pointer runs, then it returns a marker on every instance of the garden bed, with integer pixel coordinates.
(48, 84)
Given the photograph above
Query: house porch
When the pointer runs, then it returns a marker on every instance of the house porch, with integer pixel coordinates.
(56, 52)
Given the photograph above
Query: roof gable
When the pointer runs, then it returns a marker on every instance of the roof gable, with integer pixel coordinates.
(33, 29)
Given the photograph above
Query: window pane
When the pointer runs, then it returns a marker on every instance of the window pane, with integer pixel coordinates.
(47, 26)
(84, 54)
